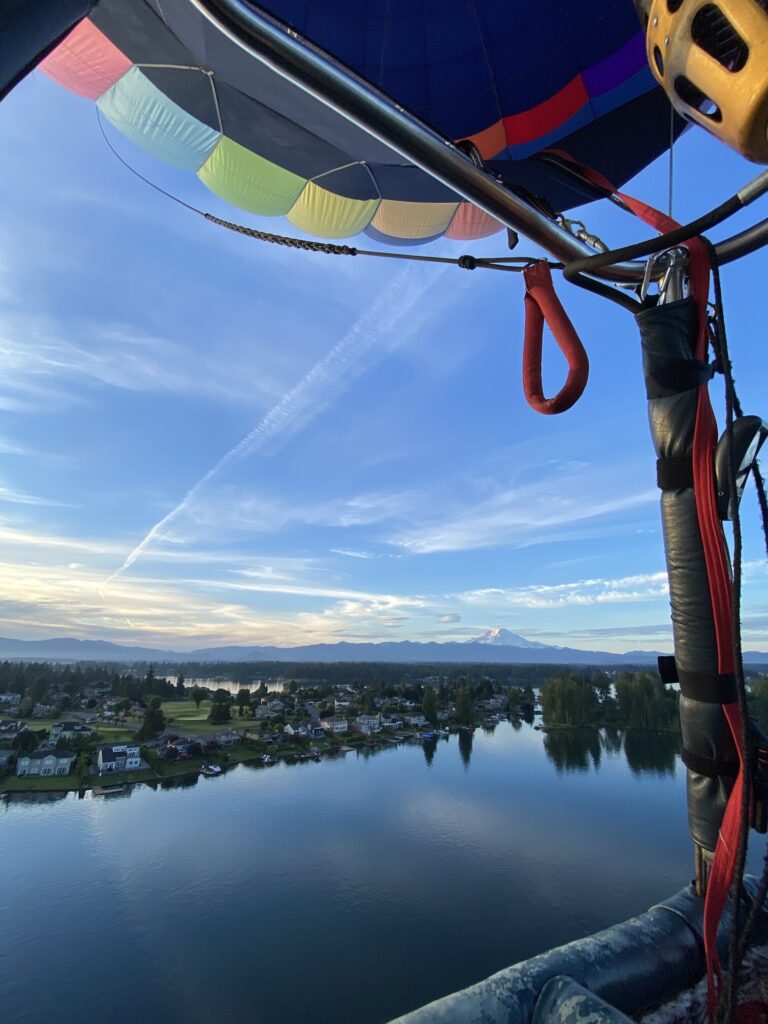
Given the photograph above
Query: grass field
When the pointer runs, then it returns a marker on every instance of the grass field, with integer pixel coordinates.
(38, 783)
(182, 715)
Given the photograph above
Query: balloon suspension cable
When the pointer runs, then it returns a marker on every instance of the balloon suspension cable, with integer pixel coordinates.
(740, 929)
(512, 264)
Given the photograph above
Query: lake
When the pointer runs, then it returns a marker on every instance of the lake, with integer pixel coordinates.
(347, 891)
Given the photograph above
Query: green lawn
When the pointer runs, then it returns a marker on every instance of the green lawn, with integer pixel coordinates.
(35, 724)
(182, 715)
(114, 733)
(38, 783)
(121, 778)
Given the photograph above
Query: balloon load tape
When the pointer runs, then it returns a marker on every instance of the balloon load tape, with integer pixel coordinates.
(711, 59)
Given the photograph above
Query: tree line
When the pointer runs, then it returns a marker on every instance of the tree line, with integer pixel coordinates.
(632, 700)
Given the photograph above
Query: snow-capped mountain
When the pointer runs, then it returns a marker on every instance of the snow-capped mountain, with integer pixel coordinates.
(500, 637)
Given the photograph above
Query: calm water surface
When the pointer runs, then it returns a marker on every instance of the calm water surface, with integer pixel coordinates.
(346, 891)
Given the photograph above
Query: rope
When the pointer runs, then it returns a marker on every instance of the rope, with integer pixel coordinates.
(511, 264)
(670, 183)
(290, 243)
(741, 931)
(729, 1001)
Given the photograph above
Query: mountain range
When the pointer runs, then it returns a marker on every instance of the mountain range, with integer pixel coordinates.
(497, 646)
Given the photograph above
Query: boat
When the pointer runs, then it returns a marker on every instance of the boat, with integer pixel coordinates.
(119, 787)
(575, 111)
(267, 759)
(211, 770)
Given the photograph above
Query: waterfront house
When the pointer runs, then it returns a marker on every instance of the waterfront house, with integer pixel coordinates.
(368, 724)
(45, 762)
(120, 757)
(335, 724)
(392, 722)
(70, 731)
(417, 720)
(230, 738)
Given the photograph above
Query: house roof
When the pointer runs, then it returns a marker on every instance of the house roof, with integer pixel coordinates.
(42, 752)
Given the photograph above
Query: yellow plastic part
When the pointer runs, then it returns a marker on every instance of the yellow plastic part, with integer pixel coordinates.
(729, 101)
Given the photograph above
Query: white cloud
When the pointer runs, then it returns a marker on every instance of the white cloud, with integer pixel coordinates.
(389, 322)
(565, 503)
(642, 587)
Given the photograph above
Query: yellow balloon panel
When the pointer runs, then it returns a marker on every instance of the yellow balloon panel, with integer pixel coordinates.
(249, 181)
(412, 220)
(320, 212)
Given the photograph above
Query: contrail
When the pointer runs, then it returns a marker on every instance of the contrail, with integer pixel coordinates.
(391, 318)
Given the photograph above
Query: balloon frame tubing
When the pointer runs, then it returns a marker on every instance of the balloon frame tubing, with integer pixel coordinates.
(318, 73)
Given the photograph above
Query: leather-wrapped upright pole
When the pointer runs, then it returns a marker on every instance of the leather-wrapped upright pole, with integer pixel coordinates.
(672, 376)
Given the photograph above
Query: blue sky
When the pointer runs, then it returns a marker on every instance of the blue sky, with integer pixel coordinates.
(206, 440)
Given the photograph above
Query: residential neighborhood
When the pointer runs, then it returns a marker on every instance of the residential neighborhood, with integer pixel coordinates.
(66, 728)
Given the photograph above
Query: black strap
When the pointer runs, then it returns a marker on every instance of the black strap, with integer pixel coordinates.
(674, 473)
(672, 376)
(667, 668)
(708, 687)
(709, 766)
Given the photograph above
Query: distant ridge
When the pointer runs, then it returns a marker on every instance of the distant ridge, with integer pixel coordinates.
(497, 646)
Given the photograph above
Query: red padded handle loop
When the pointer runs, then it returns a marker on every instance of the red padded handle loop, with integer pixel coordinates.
(542, 305)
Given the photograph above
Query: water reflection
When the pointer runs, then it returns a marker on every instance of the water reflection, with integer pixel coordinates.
(34, 798)
(612, 740)
(573, 750)
(466, 738)
(651, 753)
(647, 752)
(429, 746)
(180, 782)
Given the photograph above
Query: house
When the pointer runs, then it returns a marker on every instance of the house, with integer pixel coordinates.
(10, 729)
(392, 722)
(368, 724)
(120, 757)
(5, 756)
(42, 710)
(9, 700)
(45, 762)
(335, 724)
(70, 731)
(418, 720)
(230, 738)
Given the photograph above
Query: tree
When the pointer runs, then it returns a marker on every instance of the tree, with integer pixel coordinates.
(220, 707)
(429, 706)
(464, 710)
(26, 741)
(243, 700)
(180, 687)
(568, 699)
(758, 700)
(154, 720)
(38, 689)
(198, 695)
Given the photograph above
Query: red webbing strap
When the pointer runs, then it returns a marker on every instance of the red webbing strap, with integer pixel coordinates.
(718, 577)
(542, 305)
